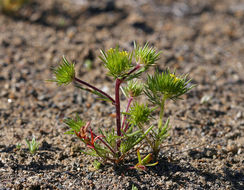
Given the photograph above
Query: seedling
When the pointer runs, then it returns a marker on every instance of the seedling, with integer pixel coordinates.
(134, 187)
(145, 162)
(18, 146)
(96, 164)
(33, 146)
(88, 64)
(134, 124)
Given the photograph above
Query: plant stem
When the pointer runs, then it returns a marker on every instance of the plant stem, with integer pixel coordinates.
(117, 106)
(95, 88)
(132, 71)
(127, 126)
(147, 139)
(127, 109)
(107, 145)
(160, 122)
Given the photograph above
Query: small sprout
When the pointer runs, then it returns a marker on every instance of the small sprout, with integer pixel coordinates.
(18, 146)
(159, 136)
(33, 146)
(134, 187)
(88, 64)
(143, 163)
(96, 164)
(65, 73)
(205, 99)
(130, 139)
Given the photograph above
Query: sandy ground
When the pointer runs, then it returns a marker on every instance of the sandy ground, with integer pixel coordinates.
(202, 38)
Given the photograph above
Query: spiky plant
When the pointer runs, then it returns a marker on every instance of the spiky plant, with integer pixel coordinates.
(135, 125)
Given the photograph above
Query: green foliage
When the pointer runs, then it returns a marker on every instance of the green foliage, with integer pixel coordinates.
(18, 146)
(133, 89)
(146, 55)
(131, 139)
(64, 73)
(134, 187)
(166, 84)
(117, 62)
(99, 151)
(159, 136)
(75, 124)
(96, 164)
(145, 162)
(33, 146)
(110, 137)
(139, 114)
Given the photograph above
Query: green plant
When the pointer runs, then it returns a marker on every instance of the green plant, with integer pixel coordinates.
(33, 146)
(18, 146)
(159, 88)
(143, 163)
(134, 187)
(96, 164)
(133, 125)
(88, 64)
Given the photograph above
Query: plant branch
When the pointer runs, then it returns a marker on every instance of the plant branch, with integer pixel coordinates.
(127, 126)
(132, 71)
(107, 145)
(127, 109)
(160, 122)
(147, 139)
(96, 89)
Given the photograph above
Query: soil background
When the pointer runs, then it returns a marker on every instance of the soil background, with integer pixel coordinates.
(204, 38)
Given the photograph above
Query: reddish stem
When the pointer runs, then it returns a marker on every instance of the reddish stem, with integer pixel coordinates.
(107, 145)
(117, 106)
(99, 138)
(117, 100)
(132, 71)
(127, 109)
(96, 89)
(127, 126)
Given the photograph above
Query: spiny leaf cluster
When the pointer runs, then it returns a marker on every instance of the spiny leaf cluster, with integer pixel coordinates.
(74, 124)
(139, 114)
(64, 73)
(133, 89)
(146, 55)
(117, 62)
(166, 84)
